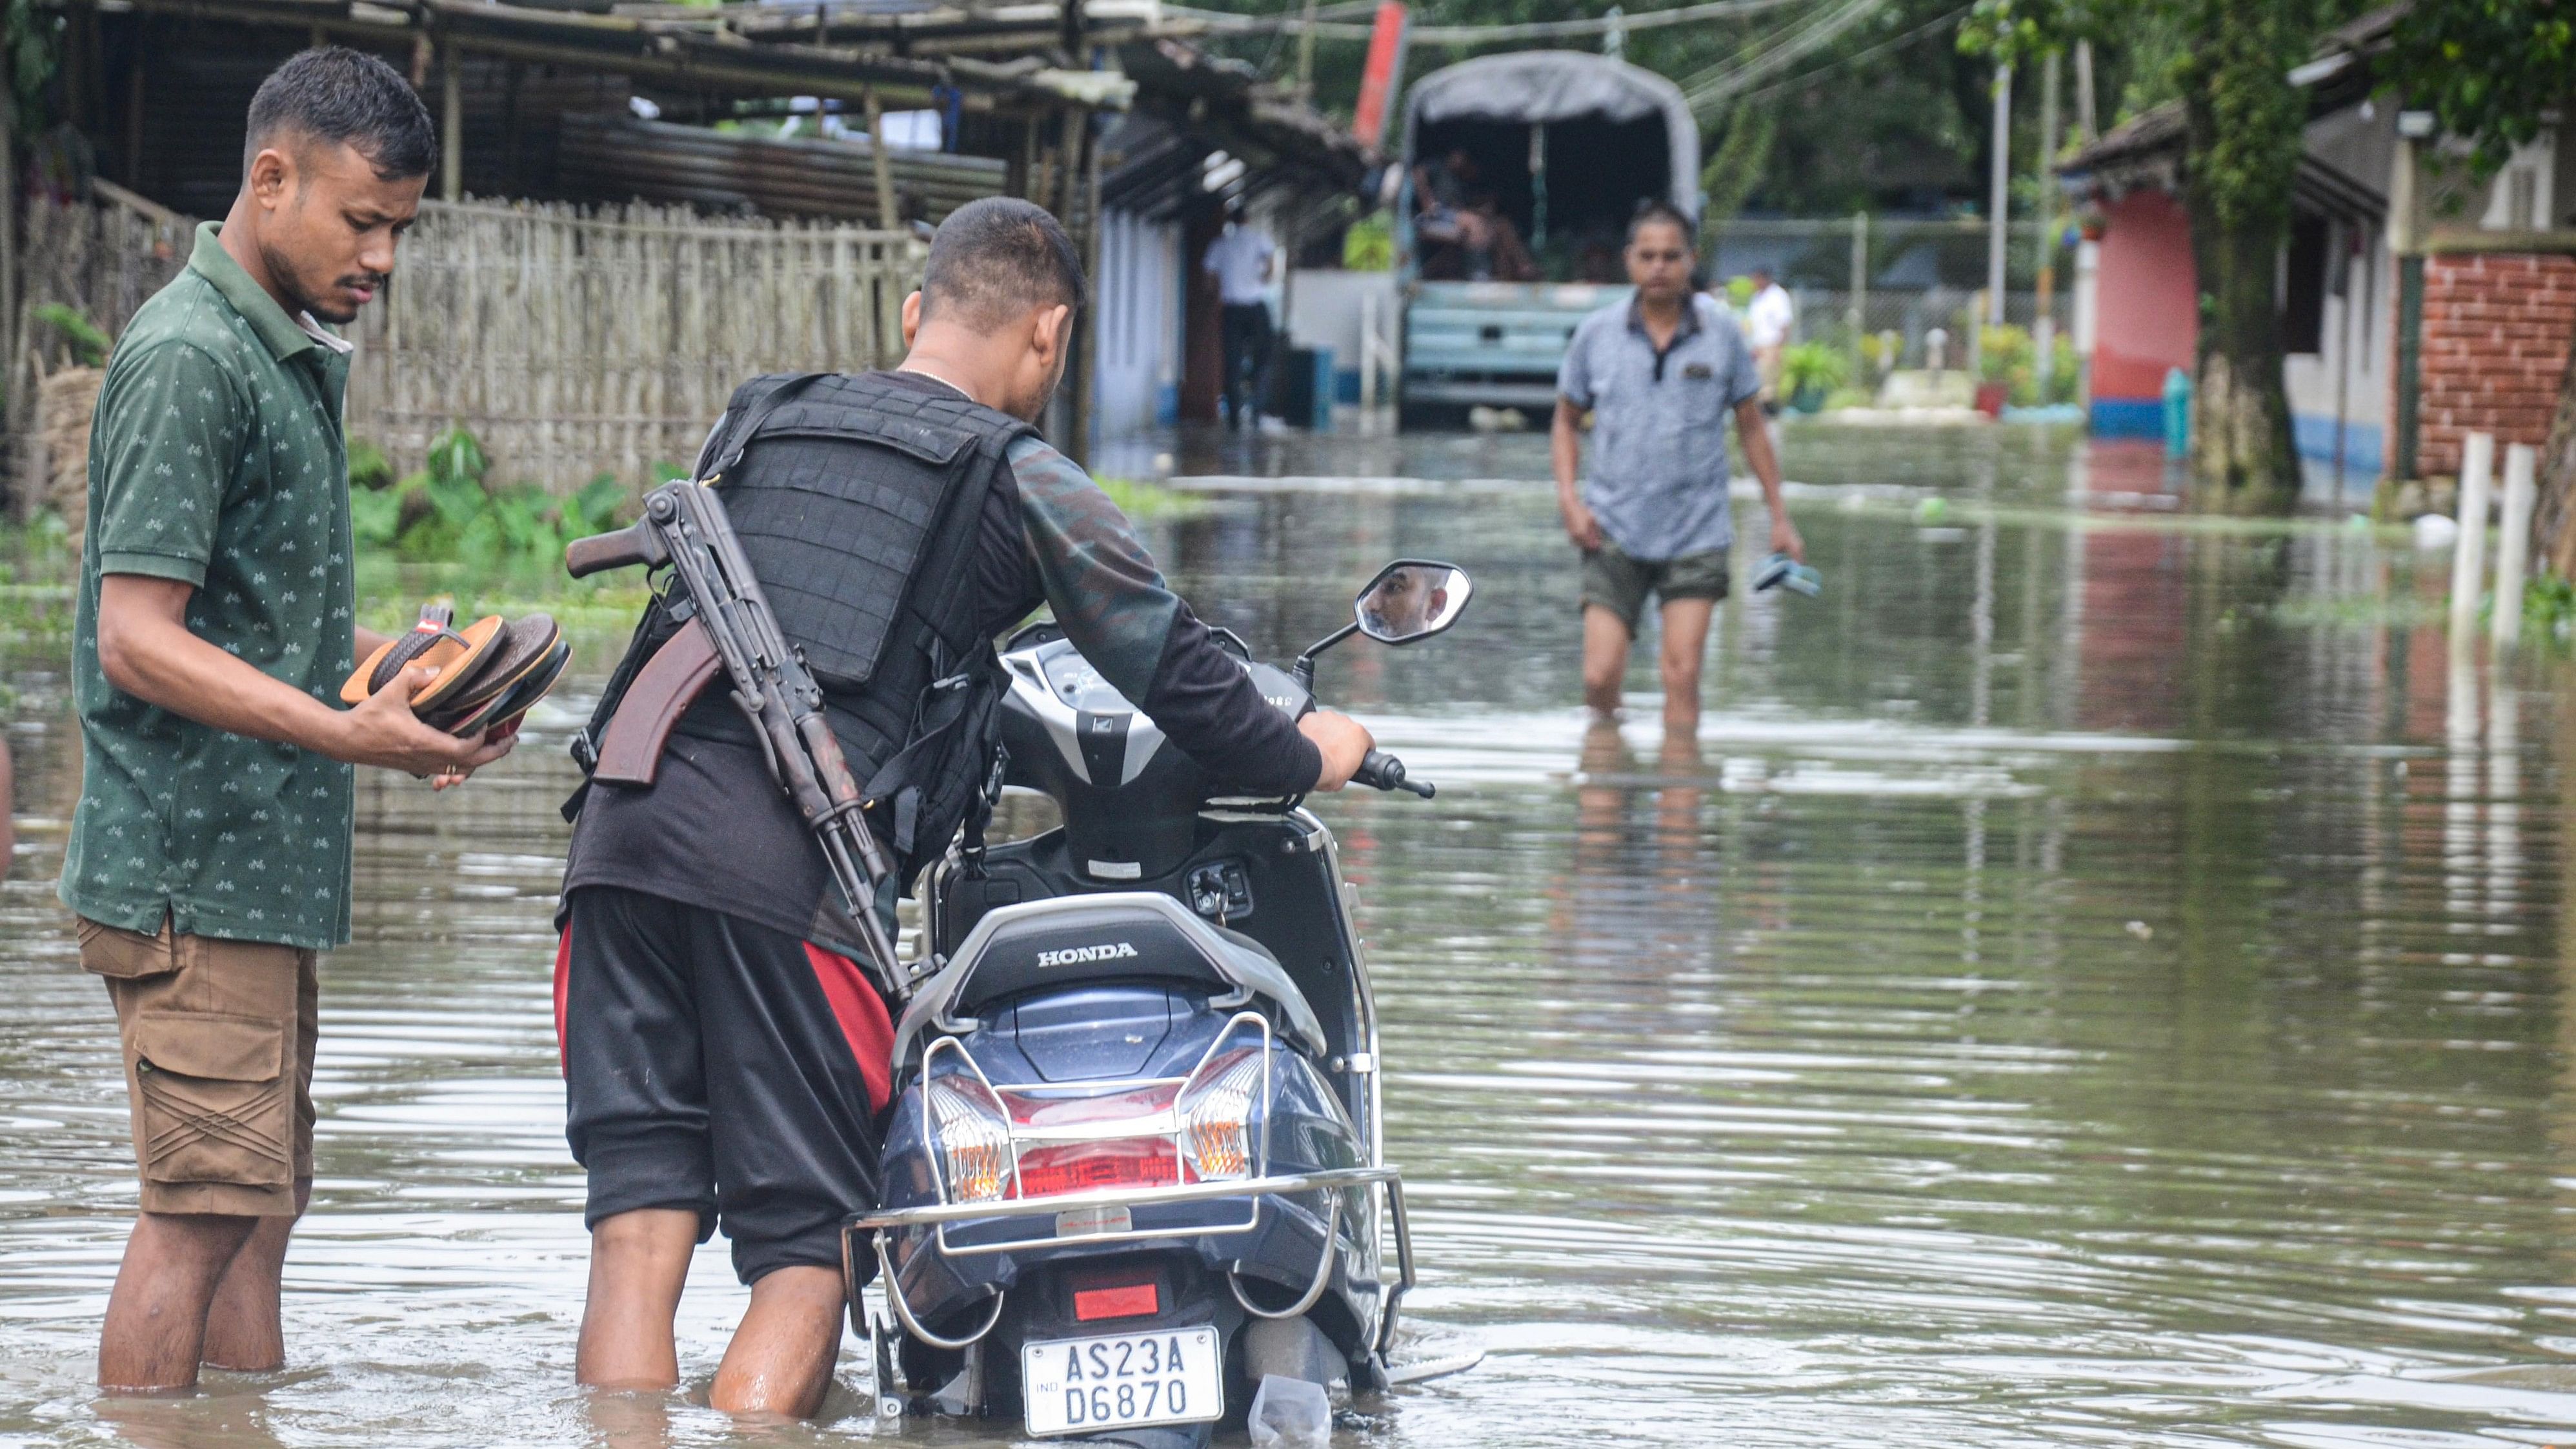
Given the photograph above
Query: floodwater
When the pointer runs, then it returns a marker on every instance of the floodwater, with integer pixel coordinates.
(2095, 978)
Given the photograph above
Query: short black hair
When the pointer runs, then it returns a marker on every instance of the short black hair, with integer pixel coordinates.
(334, 94)
(1654, 209)
(995, 258)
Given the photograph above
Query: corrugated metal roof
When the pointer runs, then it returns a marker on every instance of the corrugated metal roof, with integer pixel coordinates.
(620, 158)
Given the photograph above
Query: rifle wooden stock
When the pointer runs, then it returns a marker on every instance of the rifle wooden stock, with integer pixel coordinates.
(630, 749)
(636, 543)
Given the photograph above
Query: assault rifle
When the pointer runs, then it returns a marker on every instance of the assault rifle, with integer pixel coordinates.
(686, 527)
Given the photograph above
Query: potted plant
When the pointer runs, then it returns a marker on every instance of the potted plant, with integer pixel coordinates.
(2002, 354)
(1809, 373)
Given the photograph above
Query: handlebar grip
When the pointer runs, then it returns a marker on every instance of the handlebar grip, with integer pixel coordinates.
(1385, 772)
(637, 543)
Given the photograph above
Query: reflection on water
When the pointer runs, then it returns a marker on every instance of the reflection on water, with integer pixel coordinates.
(2087, 981)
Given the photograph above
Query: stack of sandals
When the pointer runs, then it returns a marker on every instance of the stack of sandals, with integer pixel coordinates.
(489, 673)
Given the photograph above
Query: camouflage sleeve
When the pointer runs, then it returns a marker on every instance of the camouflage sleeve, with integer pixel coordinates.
(1111, 601)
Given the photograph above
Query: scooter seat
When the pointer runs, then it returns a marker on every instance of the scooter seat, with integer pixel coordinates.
(1125, 936)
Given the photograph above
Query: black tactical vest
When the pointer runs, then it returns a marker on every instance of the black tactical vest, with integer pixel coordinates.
(858, 501)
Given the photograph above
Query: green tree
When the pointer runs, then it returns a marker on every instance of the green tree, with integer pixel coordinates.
(2242, 125)
(2494, 73)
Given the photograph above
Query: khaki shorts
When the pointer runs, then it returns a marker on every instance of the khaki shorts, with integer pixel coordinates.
(218, 1040)
(1620, 583)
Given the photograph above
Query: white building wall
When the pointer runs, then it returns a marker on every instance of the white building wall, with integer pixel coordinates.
(1137, 328)
(2349, 376)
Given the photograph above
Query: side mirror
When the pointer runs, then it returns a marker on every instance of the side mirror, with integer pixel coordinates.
(1412, 599)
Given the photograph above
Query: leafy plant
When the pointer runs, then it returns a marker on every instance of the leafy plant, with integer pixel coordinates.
(2003, 354)
(1820, 366)
(89, 342)
(449, 512)
(1369, 246)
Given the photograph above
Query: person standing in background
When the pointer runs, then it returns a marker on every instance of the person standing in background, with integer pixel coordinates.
(1768, 319)
(1242, 260)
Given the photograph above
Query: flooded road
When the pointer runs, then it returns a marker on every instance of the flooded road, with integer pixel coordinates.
(2096, 977)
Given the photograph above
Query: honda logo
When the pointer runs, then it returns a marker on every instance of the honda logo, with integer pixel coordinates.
(1072, 955)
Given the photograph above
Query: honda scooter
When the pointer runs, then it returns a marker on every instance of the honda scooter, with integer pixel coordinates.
(1135, 1168)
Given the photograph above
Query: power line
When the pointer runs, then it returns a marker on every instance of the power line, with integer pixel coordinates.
(1918, 32)
(1229, 22)
(1719, 84)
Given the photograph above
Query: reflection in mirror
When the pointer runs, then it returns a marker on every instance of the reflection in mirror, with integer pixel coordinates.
(1412, 599)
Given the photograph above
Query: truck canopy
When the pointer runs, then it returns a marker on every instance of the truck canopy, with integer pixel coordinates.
(1566, 143)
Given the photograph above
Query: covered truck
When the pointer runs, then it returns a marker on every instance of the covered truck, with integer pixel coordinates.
(1520, 174)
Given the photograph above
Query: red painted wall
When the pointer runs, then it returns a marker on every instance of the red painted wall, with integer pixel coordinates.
(2146, 301)
(2496, 332)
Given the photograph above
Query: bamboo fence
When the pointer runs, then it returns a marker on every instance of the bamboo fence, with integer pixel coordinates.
(576, 341)
(572, 341)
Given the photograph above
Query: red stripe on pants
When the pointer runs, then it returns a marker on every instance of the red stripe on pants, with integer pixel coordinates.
(563, 981)
(862, 1015)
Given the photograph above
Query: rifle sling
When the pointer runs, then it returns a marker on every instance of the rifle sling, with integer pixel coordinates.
(630, 749)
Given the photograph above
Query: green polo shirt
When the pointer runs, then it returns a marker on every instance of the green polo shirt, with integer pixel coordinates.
(216, 458)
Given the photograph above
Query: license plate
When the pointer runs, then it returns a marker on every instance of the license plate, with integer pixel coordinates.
(1125, 1380)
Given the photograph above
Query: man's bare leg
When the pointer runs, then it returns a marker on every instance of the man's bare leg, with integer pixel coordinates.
(1685, 642)
(156, 1314)
(639, 1262)
(245, 1331)
(780, 1360)
(1605, 659)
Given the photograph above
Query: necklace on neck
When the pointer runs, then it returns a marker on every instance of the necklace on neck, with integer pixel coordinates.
(962, 390)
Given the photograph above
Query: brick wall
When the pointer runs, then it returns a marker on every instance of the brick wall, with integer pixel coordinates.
(2497, 328)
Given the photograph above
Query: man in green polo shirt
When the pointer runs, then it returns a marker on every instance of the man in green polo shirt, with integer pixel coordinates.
(209, 855)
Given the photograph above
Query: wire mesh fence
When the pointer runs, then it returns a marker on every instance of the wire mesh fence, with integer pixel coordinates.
(1899, 290)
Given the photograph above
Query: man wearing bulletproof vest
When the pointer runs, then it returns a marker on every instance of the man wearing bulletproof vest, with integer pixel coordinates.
(727, 1062)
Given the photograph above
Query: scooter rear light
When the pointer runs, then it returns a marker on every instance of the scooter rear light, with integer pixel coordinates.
(1216, 1115)
(973, 1137)
(1088, 1166)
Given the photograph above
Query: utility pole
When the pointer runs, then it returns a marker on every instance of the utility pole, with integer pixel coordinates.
(1306, 55)
(2043, 325)
(2084, 124)
(1999, 203)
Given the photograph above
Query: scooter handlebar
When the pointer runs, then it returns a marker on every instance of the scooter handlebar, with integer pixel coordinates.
(1383, 771)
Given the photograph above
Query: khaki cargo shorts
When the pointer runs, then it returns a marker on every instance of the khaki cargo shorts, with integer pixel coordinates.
(1620, 583)
(218, 1041)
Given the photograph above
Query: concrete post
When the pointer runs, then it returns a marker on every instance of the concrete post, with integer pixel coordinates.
(1859, 290)
(1999, 200)
(451, 129)
(2513, 549)
(881, 162)
(2469, 554)
(2043, 322)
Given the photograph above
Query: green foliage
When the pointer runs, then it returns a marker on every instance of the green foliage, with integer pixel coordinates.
(1369, 246)
(2065, 374)
(1739, 292)
(2003, 354)
(368, 466)
(1151, 502)
(32, 36)
(1736, 164)
(451, 512)
(1820, 366)
(2492, 72)
(89, 342)
(2549, 609)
